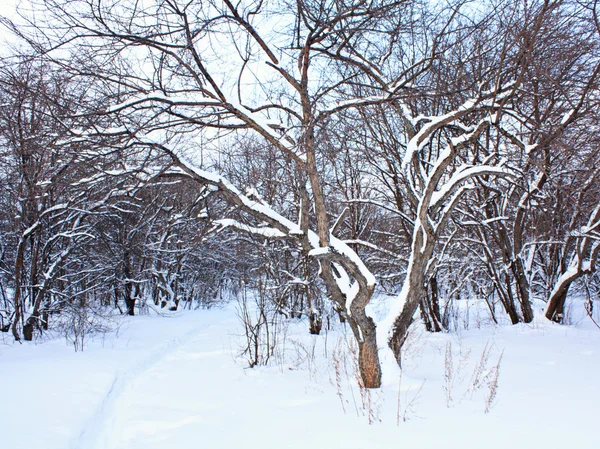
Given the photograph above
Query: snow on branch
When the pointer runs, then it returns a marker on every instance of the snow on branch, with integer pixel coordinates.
(486, 100)
(375, 248)
(338, 252)
(382, 206)
(172, 100)
(255, 118)
(462, 175)
(267, 232)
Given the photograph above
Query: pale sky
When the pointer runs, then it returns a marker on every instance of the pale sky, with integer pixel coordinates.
(7, 8)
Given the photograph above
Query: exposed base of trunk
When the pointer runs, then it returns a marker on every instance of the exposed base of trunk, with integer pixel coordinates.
(527, 312)
(315, 324)
(30, 325)
(431, 317)
(555, 311)
(130, 303)
(28, 329)
(368, 362)
(430, 307)
(400, 330)
(523, 291)
(368, 351)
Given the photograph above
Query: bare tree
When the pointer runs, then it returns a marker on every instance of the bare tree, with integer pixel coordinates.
(42, 223)
(164, 72)
(366, 131)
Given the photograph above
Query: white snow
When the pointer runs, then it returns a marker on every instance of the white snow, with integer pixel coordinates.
(321, 251)
(176, 382)
(291, 229)
(567, 116)
(462, 174)
(186, 99)
(342, 248)
(262, 231)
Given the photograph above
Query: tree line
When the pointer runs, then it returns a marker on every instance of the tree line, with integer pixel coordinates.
(171, 153)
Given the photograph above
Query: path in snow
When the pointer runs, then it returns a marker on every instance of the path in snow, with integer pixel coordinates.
(194, 393)
(99, 430)
(176, 383)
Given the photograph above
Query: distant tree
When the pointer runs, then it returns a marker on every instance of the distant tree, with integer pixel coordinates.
(41, 222)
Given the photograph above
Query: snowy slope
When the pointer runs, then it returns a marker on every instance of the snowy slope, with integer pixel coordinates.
(177, 383)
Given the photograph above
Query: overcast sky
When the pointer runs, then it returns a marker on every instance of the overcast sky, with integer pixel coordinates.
(7, 7)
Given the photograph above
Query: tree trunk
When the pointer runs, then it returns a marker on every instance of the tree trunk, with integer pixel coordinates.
(17, 299)
(401, 325)
(430, 308)
(413, 290)
(129, 302)
(368, 356)
(509, 303)
(523, 289)
(363, 327)
(29, 326)
(555, 308)
(129, 298)
(365, 332)
(128, 287)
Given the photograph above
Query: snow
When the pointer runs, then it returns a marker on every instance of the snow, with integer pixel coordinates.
(494, 219)
(321, 251)
(462, 174)
(354, 103)
(178, 382)
(290, 228)
(186, 99)
(343, 248)
(30, 230)
(385, 325)
(567, 117)
(418, 141)
(266, 125)
(436, 122)
(260, 207)
(263, 231)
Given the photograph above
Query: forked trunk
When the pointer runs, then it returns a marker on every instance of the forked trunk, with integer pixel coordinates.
(363, 327)
(368, 359)
(29, 327)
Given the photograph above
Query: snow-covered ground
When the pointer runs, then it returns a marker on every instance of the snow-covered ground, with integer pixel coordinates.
(177, 382)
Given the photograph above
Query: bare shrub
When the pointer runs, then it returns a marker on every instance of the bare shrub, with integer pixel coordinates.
(411, 401)
(453, 373)
(480, 371)
(260, 321)
(492, 384)
(80, 322)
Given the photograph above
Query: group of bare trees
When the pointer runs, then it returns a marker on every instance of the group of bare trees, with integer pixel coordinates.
(80, 227)
(434, 150)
